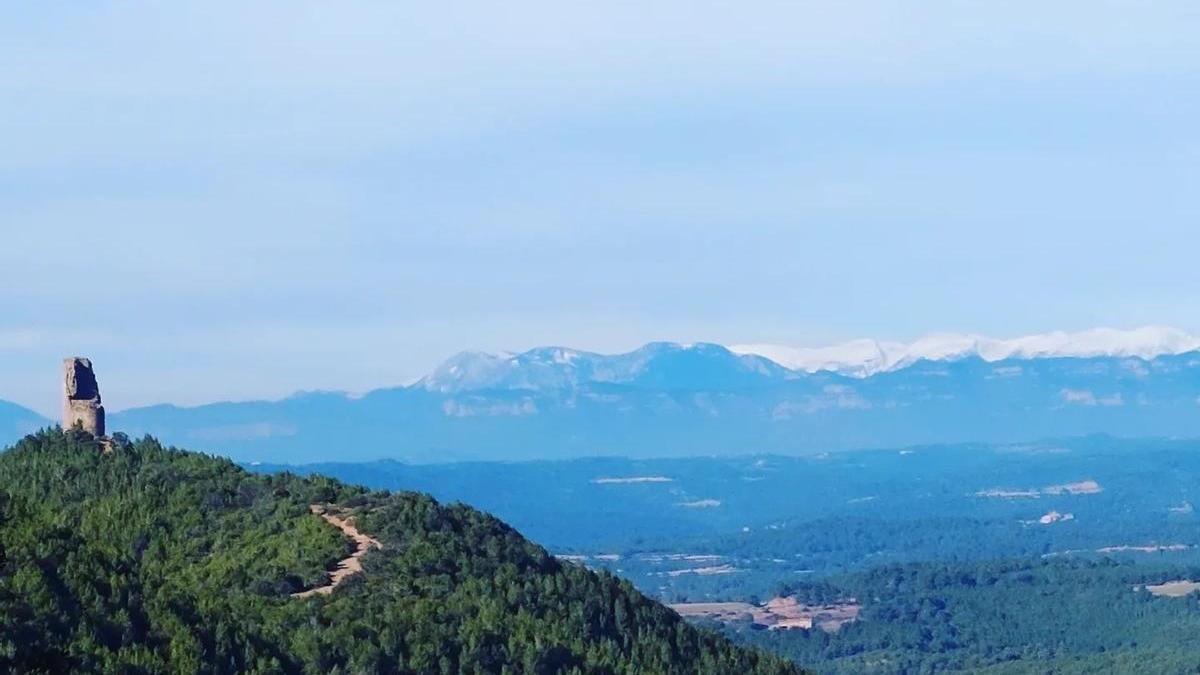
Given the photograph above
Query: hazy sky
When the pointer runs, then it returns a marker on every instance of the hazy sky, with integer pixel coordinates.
(224, 200)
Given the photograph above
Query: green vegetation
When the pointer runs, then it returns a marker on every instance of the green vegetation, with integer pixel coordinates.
(780, 518)
(1012, 617)
(153, 560)
(923, 538)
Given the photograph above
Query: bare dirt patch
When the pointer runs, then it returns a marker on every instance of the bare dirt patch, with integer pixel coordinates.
(704, 571)
(630, 480)
(777, 613)
(1083, 487)
(1149, 548)
(1173, 589)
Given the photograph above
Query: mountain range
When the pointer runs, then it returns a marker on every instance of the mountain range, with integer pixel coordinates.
(867, 357)
(668, 399)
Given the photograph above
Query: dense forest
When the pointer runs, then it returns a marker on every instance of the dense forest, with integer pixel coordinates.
(148, 559)
(763, 519)
(1012, 617)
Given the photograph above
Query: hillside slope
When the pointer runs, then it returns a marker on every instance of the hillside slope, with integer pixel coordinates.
(151, 559)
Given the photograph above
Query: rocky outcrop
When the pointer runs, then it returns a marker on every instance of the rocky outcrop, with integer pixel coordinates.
(81, 401)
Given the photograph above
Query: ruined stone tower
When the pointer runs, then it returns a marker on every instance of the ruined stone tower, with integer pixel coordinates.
(81, 401)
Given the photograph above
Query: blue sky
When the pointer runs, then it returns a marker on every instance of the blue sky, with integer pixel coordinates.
(217, 201)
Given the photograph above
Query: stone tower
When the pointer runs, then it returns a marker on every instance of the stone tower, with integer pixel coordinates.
(81, 402)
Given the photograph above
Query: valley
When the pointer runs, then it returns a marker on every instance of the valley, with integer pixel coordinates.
(969, 557)
(946, 557)
(599, 338)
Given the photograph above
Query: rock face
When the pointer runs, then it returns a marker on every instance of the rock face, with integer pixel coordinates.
(81, 402)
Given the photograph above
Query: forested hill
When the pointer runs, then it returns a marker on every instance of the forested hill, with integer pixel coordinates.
(153, 560)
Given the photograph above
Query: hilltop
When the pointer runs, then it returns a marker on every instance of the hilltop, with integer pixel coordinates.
(151, 559)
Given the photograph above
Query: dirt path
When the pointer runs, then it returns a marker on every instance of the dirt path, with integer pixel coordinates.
(347, 567)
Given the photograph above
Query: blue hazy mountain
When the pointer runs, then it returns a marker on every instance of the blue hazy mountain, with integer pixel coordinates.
(669, 400)
(16, 421)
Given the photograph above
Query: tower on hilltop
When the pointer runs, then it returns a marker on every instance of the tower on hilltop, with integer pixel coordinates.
(81, 400)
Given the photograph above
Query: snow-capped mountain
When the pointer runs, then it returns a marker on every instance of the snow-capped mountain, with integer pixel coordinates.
(706, 365)
(668, 399)
(863, 358)
(658, 364)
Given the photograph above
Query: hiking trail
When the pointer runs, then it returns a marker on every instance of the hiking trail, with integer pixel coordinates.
(346, 567)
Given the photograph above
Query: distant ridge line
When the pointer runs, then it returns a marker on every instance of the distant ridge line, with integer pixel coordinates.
(866, 357)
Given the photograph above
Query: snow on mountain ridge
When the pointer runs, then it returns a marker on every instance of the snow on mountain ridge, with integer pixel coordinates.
(863, 358)
(557, 368)
(673, 364)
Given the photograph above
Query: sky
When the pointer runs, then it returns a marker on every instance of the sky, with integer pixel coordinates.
(222, 200)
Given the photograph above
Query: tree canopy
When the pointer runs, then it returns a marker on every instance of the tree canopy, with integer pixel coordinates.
(150, 559)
